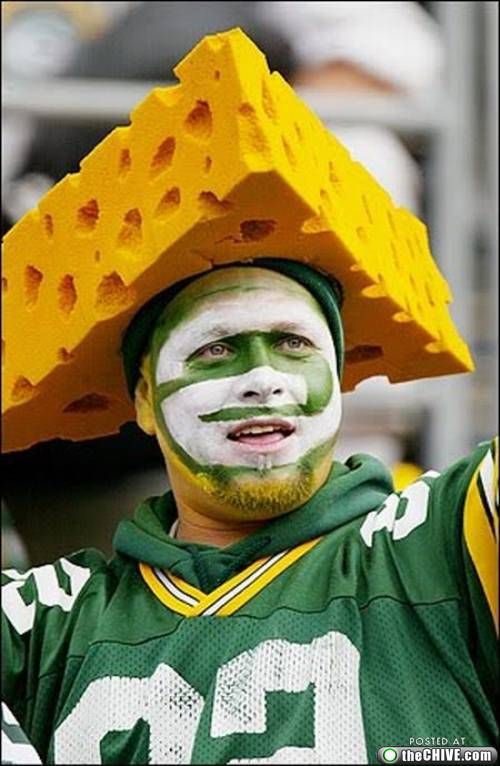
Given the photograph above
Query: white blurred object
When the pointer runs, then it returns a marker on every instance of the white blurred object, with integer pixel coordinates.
(38, 44)
(115, 9)
(378, 391)
(387, 448)
(17, 133)
(395, 41)
(23, 193)
(387, 159)
(39, 41)
(40, 38)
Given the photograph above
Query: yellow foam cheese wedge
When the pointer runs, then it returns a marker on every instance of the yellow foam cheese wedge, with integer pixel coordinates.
(228, 165)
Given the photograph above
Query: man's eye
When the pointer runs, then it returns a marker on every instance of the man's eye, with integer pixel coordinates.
(293, 343)
(214, 351)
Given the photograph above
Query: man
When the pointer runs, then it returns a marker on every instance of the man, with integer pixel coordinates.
(354, 616)
(276, 606)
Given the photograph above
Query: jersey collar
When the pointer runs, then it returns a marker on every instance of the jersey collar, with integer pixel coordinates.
(180, 597)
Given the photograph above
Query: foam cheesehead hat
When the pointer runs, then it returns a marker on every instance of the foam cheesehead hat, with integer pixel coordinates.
(221, 168)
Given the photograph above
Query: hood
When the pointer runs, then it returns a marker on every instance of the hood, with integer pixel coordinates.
(351, 491)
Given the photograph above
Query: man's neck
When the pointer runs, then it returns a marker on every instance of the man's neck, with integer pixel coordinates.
(194, 527)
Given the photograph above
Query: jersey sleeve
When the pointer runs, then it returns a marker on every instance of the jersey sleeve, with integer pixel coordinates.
(16, 747)
(479, 548)
(39, 609)
(467, 495)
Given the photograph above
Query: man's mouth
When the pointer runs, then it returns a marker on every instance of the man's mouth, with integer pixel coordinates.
(262, 434)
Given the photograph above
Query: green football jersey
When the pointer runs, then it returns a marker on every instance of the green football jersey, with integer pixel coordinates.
(15, 745)
(362, 619)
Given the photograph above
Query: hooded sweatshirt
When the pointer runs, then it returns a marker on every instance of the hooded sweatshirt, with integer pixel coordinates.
(359, 620)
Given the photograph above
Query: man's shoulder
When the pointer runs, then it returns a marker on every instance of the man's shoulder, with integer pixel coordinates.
(49, 593)
(433, 498)
(420, 529)
(80, 565)
(409, 543)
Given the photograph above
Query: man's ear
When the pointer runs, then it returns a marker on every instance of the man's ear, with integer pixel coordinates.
(144, 401)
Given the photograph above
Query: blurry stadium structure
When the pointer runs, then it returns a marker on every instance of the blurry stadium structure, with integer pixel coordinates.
(455, 130)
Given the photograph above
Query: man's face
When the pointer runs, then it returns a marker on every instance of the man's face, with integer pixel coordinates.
(246, 392)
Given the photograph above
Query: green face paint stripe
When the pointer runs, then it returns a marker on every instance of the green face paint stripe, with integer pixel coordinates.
(188, 461)
(183, 308)
(164, 390)
(224, 473)
(185, 305)
(318, 377)
(243, 413)
(257, 349)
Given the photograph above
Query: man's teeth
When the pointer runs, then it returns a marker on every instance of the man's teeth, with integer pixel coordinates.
(259, 430)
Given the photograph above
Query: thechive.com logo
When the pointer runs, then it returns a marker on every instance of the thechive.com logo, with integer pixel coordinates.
(389, 755)
(469, 755)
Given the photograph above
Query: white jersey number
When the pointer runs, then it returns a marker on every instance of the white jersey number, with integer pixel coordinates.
(417, 500)
(172, 708)
(50, 593)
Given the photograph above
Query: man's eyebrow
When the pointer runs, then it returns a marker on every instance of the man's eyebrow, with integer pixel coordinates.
(290, 327)
(207, 335)
(223, 331)
(216, 330)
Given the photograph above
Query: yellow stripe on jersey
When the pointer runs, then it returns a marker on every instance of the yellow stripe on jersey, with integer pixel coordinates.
(188, 589)
(184, 599)
(481, 526)
(230, 596)
(167, 598)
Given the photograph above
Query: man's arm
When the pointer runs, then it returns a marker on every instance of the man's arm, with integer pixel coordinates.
(38, 619)
(465, 512)
(480, 556)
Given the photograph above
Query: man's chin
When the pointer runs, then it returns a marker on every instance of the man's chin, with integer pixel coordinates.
(260, 496)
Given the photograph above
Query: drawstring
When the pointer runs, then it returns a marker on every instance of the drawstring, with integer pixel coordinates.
(237, 564)
(199, 569)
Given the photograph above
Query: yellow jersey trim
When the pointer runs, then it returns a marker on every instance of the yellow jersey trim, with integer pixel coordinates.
(189, 601)
(481, 526)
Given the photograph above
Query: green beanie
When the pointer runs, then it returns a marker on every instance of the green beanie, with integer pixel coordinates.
(326, 290)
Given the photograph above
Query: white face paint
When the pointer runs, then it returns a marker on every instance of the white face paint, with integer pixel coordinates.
(279, 388)
(256, 310)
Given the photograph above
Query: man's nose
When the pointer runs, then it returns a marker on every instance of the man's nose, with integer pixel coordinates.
(261, 385)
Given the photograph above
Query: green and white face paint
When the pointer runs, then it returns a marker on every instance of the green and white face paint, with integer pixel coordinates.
(245, 383)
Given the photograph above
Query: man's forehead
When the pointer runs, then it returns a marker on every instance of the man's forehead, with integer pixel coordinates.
(227, 291)
(239, 278)
(253, 307)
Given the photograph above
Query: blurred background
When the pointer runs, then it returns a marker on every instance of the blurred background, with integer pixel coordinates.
(411, 88)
